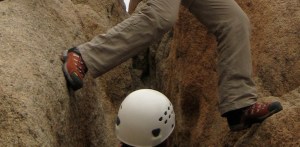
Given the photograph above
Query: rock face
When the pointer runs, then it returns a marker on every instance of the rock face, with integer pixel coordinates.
(36, 108)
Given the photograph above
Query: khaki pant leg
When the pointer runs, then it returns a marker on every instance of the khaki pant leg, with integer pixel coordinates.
(227, 21)
(129, 37)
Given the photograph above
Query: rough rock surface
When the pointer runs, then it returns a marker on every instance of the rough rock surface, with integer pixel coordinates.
(36, 108)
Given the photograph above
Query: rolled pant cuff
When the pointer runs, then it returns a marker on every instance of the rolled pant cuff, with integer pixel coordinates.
(95, 73)
(237, 105)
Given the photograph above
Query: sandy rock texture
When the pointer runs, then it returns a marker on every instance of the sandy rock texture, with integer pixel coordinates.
(36, 108)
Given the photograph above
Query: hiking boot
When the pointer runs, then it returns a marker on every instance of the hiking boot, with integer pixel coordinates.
(74, 68)
(256, 113)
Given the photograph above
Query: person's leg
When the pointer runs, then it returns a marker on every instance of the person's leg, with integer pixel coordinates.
(121, 42)
(227, 21)
(129, 37)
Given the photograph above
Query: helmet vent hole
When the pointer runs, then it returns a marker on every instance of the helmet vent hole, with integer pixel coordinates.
(118, 121)
(160, 119)
(172, 125)
(168, 108)
(166, 121)
(156, 132)
(169, 116)
(165, 112)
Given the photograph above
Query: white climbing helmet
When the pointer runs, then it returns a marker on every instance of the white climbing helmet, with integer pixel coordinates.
(146, 118)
